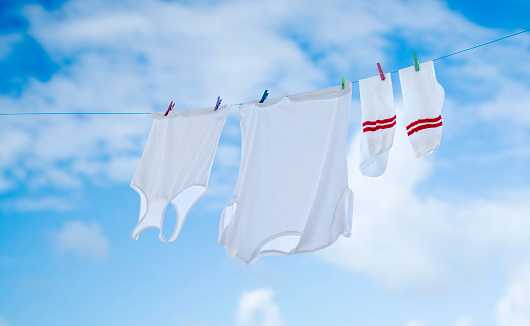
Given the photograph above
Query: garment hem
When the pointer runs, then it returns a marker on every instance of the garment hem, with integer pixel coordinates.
(346, 232)
(161, 237)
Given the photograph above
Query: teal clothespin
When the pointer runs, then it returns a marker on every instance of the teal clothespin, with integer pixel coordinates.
(342, 82)
(416, 64)
(265, 95)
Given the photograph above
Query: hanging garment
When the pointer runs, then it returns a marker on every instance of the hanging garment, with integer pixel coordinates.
(175, 165)
(292, 191)
(378, 124)
(423, 99)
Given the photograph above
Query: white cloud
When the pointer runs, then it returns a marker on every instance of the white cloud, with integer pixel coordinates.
(514, 308)
(464, 321)
(13, 142)
(415, 322)
(3, 322)
(119, 168)
(138, 58)
(56, 177)
(503, 101)
(405, 239)
(256, 308)
(133, 59)
(86, 240)
(181, 321)
(5, 184)
(47, 203)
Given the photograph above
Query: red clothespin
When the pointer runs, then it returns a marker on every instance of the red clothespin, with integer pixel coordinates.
(171, 106)
(380, 71)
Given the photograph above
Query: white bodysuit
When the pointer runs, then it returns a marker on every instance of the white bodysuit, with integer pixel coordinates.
(175, 165)
(292, 191)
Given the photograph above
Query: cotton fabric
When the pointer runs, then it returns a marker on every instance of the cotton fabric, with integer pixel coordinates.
(423, 99)
(292, 192)
(175, 165)
(378, 124)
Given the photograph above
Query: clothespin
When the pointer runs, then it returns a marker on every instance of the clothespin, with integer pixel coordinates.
(342, 82)
(171, 106)
(219, 100)
(380, 71)
(416, 64)
(265, 95)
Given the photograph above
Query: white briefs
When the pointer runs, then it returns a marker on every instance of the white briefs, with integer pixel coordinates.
(292, 191)
(175, 165)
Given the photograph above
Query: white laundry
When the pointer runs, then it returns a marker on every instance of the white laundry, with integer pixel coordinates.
(378, 124)
(423, 99)
(371, 166)
(292, 191)
(175, 165)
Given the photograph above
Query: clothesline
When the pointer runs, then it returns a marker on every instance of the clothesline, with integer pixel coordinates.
(353, 82)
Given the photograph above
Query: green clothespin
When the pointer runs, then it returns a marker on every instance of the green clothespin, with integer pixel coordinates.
(342, 82)
(416, 64)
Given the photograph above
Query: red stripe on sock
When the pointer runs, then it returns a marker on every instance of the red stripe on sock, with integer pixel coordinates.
(420, 128)
(385, 121)
(433, 120)
(379, 127)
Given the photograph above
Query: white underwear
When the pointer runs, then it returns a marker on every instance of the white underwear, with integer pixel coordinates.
(175, 165)
(292, 191)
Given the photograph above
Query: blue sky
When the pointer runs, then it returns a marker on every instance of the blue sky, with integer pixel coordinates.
(439, 240)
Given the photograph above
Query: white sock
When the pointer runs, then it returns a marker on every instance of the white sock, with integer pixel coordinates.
(378, 124)
(423, 99)
(371, 166)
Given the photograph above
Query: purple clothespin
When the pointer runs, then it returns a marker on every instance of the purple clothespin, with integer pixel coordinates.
(218, 103)
(171, 106)
(380, 71)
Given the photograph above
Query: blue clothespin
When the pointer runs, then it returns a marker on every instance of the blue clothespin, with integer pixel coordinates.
(416, 64)
(342, 82)
(265, 95)
(218, 103)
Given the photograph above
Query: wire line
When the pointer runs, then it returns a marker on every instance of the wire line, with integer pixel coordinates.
(353, 82)
(40, 113)
(477, 46)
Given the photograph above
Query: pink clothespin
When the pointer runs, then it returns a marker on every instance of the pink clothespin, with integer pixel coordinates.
(380, 71)
(171, 106)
